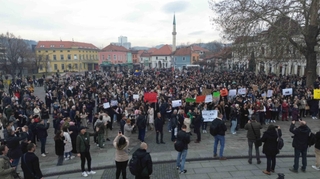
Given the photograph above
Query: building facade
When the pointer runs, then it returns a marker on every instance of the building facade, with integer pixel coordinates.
(123, 41)
(162, 57)
(62, 56)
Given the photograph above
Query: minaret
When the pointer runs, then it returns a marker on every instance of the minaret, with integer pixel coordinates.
(174, 33)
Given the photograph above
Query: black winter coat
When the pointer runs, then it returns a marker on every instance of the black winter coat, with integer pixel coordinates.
(42, 130)
(59, 146)
(301, 135)
(158, 124)
(13, 143)
(317, 144)
(184, 137)
(146, 161)
(33, 163)
(269, 138)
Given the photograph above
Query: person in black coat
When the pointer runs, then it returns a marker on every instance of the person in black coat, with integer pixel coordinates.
(142, 124)
(158, 124)
(43, 134)
(197, 122)
(146, 161)
(30, 162)
(13, 143)
(59, 146)
(33, 129)
(75, 131)
(300, 144)
(270, 146)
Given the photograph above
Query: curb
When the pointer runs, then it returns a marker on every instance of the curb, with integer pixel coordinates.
(162, 162)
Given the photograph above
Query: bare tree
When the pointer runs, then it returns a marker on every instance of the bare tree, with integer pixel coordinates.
(42, 61)
(247, 18)
(16, 53)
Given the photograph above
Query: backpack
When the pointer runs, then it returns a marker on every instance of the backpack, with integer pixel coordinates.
(179, 146)
(214, 127)
(280, 142)
(311, 139)
(135, 165)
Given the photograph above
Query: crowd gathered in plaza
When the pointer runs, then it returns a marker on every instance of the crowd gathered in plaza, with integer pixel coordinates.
(146, 101)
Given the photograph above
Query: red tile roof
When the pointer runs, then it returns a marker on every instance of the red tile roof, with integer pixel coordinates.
(198, 48)
(165, 50)
(145, 54)
(114, 48)
(152, 50)
(223, 53)
(64, 45)
(183, 51)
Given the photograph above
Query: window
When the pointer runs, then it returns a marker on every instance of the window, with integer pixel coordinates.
(83, 57)
(75, 66)
(166, 58)
(109, 57)
(102, 57)
(69, 57)
(47, 51)
(39, 51)
(90, 57)
(80, 57)
(42, 46)
(68, 50)
(62, 66)
(61, 50)
(61, 57)
(40, 57)
(53, 51)
(75, 57)
(80, 66)
(61, 45)
(114, 57)
(55, 66)
(51, 46)
(69, 67)
(183, 58)
(87, 57)
(156, 58)
(41, 67)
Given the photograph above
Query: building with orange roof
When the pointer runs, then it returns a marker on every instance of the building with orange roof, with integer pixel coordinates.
(184, 56)
(61, 56)
(162, 57)
(145, 60)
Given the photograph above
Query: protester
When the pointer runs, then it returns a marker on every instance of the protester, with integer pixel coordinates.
(121, 144)
(67, 144)
(317, 151)
(59, 141)
(159, 122)
(184, 137)
(270, 147)
(220, 137)
(253, 135)
(142, 124)
(83, 149)
(146, 161)
(300, 144)
(13, 143)
(30, 163)
(43, 134)
(6, 170)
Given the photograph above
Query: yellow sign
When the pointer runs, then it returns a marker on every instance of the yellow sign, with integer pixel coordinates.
(316, 94)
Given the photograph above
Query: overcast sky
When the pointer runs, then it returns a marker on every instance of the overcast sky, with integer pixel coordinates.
(144, 22)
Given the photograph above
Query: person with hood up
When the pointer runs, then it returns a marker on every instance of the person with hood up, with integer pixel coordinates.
(121, 144)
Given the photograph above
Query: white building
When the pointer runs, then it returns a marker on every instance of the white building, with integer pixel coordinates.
(123, 41)
(162, 57)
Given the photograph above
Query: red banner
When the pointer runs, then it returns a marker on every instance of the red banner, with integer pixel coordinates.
(150, 97)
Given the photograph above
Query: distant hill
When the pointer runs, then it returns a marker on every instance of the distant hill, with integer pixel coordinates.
(140, 48)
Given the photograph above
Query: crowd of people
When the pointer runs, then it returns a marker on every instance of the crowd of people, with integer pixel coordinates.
(103, 99)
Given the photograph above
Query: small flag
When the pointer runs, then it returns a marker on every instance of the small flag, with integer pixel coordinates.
(190, 100)
(216, 94)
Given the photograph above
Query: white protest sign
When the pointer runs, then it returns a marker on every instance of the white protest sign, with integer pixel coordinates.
(106, 105)
(242, 91)
(114, 102)
(209, 115)
(287, 91)
(269, 93)
(135, 96)
(208, 99)
(232, 92)
(264, 94)
(176, 103)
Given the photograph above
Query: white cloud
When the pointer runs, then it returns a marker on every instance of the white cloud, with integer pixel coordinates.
(144, 22)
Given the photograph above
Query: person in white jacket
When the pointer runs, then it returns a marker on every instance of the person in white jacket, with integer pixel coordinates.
(68, 144)
(36, 111)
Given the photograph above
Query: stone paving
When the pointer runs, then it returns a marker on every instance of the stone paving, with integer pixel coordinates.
(200, 156)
